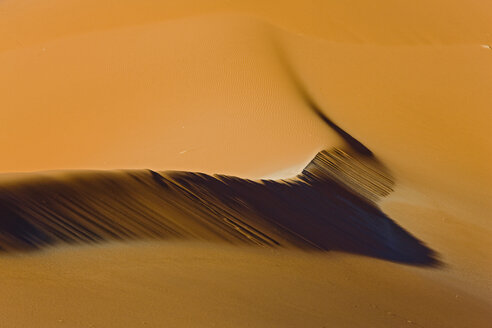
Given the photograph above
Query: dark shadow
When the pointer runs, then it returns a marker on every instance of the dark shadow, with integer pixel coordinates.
(313, 211)
(294, 77)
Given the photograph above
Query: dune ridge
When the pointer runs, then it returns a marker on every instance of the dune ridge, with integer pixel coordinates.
(329, 206)
(249, 89)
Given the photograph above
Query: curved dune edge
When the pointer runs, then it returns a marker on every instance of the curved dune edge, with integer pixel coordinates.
(329, 206)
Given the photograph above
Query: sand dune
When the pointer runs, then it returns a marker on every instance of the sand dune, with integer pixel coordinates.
(145, 95)
(98, 101)
(327, 207)
(195, 284)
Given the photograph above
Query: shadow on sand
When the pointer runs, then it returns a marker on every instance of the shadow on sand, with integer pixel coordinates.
(330, 206)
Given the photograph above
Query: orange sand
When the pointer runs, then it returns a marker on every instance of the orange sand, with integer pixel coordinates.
(163, 85)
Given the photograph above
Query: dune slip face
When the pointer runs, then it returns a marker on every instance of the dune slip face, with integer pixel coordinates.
(329, 206)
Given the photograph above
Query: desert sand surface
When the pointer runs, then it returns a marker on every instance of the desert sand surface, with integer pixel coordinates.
(245, 164)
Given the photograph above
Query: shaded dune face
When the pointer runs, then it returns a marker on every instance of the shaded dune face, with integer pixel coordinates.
(329, 206)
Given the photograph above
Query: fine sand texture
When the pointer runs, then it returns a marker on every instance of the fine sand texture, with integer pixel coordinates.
(245, 163)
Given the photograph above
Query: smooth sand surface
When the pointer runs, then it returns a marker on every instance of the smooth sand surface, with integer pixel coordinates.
(204, 87)
(183, 285)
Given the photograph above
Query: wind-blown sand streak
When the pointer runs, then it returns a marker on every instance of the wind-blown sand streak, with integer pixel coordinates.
(329, 206)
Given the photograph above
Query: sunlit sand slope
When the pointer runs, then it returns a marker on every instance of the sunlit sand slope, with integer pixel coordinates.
(196, 284)
(247, 90)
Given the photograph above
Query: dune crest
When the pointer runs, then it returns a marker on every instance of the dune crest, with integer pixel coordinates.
(99, 97)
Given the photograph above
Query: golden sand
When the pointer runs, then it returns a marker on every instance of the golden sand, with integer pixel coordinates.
(204, 87)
